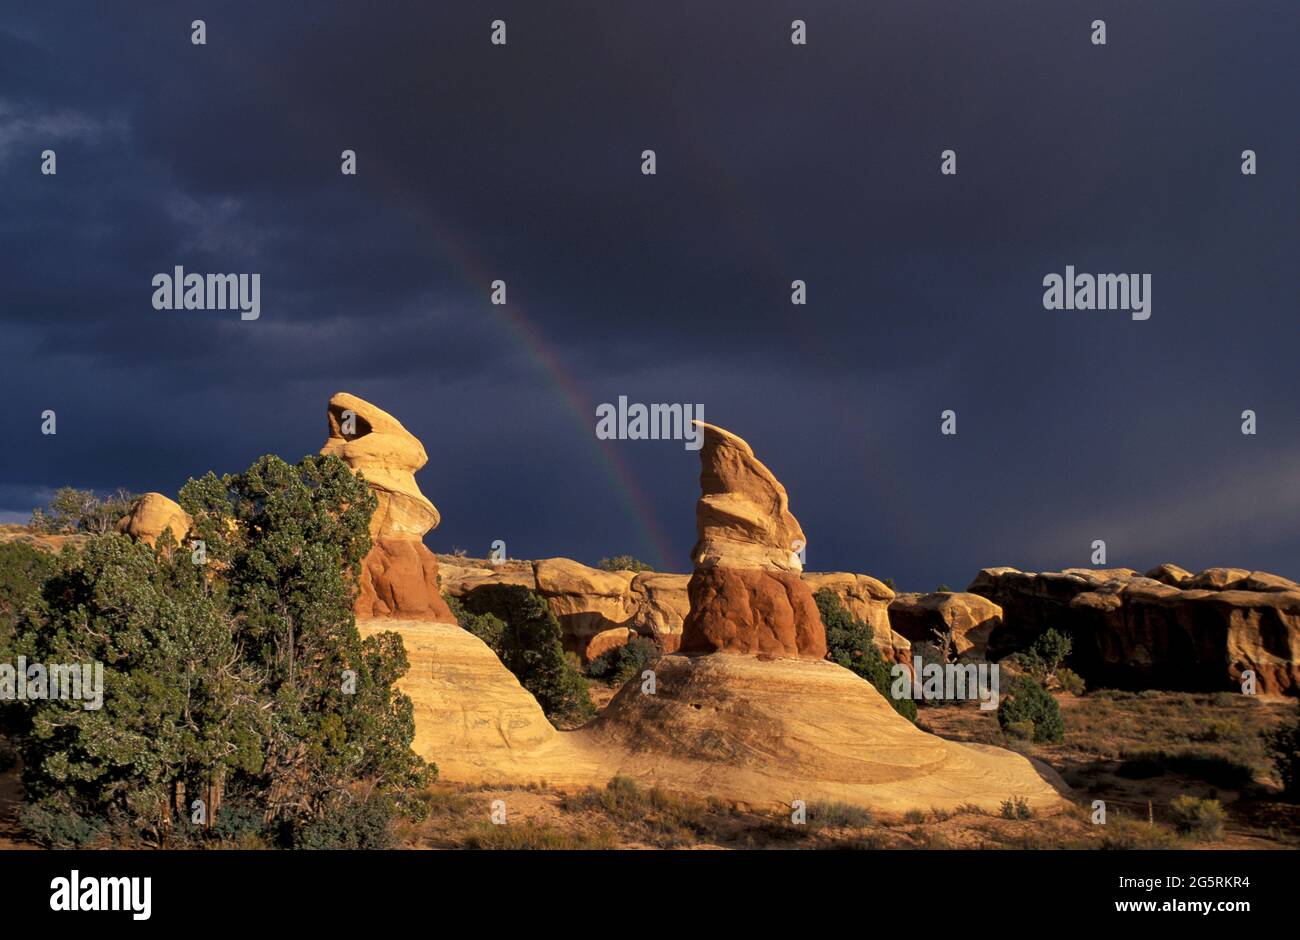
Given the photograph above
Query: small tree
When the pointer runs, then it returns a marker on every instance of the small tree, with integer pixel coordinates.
(531, 647)
(290, 540)
(1046, 655)
(1028, 701)
(851, 643)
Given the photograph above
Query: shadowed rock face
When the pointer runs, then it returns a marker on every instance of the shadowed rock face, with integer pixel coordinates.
(968, 617)
(399, 577)
(1132, 631)
(746, 595)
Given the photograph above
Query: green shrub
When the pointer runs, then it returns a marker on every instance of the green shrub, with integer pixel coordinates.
(487, 627)
(851, 644)
(1200, 819)
(1016, 808)
(55, 823)
(622, 663)
(1283, 745)
(623, 563)
(352, 824)
(1029, 701)
(530, 647)
(23, 569)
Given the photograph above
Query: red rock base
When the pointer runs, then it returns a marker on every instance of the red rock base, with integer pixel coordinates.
(399, 581)
(744, 610)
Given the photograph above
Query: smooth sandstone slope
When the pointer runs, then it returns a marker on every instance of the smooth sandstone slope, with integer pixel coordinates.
(731, 726)
(772, 731)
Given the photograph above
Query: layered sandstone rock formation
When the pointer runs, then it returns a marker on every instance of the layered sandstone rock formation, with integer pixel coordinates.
(472, 717)
(969, 618)
(1169, 629)
(770, 731)
(598, 612)
(151, 514)
(746, 595)
(782, 724)
(399, 577)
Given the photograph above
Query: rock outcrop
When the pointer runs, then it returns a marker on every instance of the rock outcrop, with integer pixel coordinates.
(746, 595)
(150, 514)
(597, 612)
(1132, 631)
(969, 618)
(868, 600)
(472, 717)
(772, 731)
(399, 577)
(596, 608)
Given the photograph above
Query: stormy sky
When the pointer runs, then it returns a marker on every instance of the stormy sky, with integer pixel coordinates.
(775, 162)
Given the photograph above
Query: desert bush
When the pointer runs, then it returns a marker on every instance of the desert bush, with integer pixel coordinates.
(530, 647)
(851, 644)
(834, 814)
(1017, 807)
(1070, 681)
(534, 836)
(1200, 819)
(1283, 746)
(1029, 701)
(54, 822)
(350, 824)
(623, 563)
(622, 663)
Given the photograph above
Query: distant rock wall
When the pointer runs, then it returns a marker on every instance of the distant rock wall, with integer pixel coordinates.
(1167, 629)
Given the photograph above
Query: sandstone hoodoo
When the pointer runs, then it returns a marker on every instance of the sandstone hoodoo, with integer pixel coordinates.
(399, 577)
(749, 709)
(1170, 629)
(151, 514)
(746, 595)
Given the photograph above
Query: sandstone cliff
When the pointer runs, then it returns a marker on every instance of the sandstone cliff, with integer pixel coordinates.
(1198, 633)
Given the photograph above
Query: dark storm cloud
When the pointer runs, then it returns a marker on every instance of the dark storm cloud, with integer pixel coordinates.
(775, 163)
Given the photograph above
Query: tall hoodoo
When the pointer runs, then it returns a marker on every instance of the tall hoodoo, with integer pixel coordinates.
(399, 577)
(746, 593)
